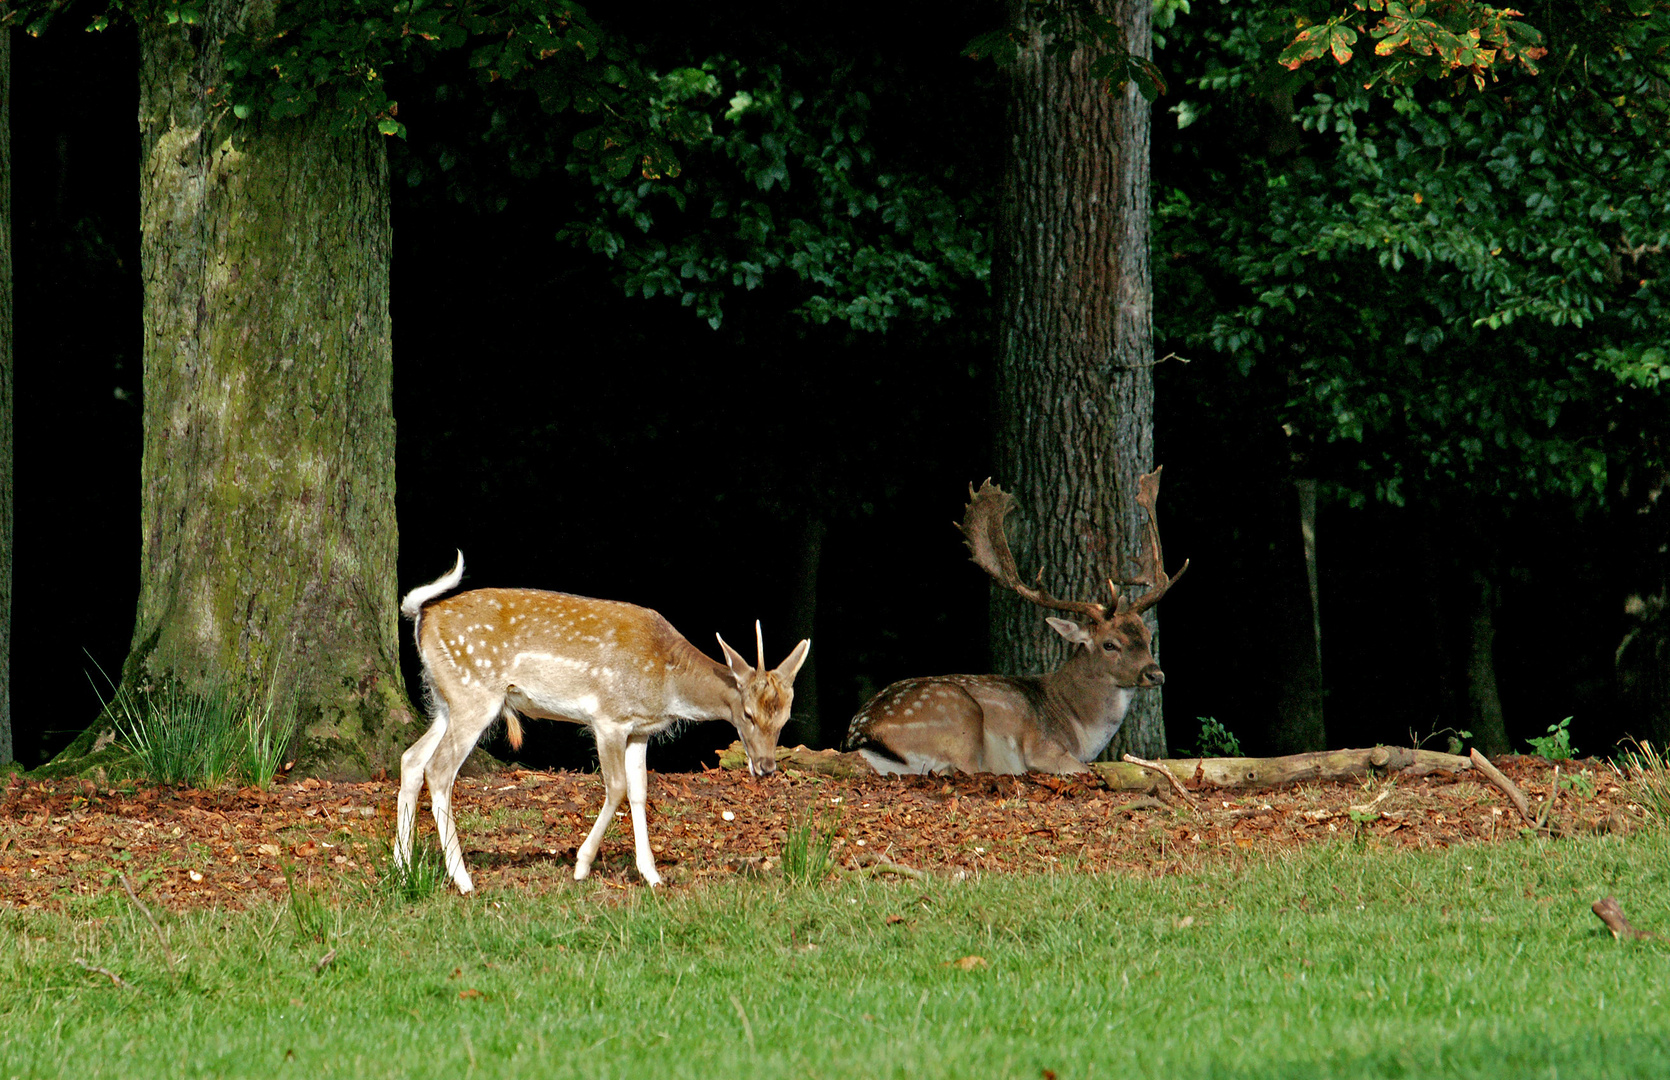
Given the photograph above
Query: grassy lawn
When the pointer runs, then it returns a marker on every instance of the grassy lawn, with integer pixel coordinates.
(1337, 961)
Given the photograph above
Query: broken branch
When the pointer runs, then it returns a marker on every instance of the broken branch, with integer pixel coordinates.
(1169, 775)
(1612, 914)
(106, 972)
(1506, 787)
(166, 951)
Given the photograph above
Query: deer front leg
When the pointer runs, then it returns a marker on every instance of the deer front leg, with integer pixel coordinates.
(611, 759)
(1046, 756)
(637, 792)
(412, 765)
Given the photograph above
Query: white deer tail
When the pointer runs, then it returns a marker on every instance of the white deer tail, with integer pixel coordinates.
(412, 605)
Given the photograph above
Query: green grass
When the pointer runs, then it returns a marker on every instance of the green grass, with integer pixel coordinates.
(1338, 962)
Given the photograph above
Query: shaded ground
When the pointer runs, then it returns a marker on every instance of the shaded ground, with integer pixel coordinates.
(63, 840)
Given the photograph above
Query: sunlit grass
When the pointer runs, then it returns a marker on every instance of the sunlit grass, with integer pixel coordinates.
(1335, 962)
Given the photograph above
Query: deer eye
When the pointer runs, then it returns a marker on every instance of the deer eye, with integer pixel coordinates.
(1110, 646)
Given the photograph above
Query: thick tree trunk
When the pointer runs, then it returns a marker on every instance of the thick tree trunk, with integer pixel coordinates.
(1075, 390)
(8, 750)
(806, 726)
(1299, 699)
(268, 527)
(1484, 703)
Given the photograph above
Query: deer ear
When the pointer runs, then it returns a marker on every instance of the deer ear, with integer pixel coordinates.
(1071, 630)
(789, 668)
(741, 670)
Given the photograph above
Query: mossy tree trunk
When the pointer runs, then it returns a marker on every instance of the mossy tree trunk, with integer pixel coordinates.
(8, 750)
(1075, 388)
(268, 526)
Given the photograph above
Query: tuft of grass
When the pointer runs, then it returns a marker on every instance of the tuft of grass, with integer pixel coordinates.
(808, 850)
(415, 881)
(310, 910)
(202, 737)
(1647, 775)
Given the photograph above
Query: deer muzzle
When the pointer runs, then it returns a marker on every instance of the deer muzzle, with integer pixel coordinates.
(1151, 676)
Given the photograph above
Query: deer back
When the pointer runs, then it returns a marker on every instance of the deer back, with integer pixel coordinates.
(571, 657)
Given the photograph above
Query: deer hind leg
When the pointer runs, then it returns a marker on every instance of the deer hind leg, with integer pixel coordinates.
(442, 771)
(412, 765)
(637, 792)
(611, 759)
(930, 726)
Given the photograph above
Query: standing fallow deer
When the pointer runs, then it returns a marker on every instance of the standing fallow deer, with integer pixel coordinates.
(1049, 723)
(620, 669)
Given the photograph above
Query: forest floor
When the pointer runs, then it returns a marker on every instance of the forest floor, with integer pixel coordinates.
(66, 842)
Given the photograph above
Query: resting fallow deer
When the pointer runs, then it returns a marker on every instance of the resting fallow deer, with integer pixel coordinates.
(1049, 723)
(620, 669)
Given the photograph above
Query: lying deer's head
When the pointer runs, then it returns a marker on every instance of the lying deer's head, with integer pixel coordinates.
(1119, 641)
(763, 702)
(1120, 644)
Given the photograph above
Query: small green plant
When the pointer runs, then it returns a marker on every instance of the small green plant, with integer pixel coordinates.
(1580, 784)
(1556, 745)
(1646, 774)
(807, 851)
(1216, 740)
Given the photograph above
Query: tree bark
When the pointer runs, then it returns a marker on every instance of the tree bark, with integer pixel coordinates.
(8, 748)
(268, 530)
(1484, 703)
(1075, 390)
(1299, 699)
(806, 726)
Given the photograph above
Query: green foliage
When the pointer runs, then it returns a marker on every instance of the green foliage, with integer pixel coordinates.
(1216, 740)
(1556, 745)
(338, 55)
(202, 737)
(1068, 25)
(784, 184)
(1419, 39)
(1280, 965)
(808, 851)
(1459, 290)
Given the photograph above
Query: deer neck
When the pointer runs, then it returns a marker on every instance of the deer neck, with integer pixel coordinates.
(698, 687)
(1084, 698)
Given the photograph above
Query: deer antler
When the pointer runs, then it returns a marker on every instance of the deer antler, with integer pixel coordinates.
(982, 529)
(1153, 562)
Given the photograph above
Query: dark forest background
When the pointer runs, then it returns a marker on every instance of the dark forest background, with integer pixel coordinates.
(567, 436)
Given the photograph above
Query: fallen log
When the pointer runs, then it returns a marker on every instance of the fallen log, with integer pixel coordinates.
(1241, 772)
(1203, 772)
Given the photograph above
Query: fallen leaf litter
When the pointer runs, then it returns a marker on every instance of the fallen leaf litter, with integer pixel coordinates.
(187, 848)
